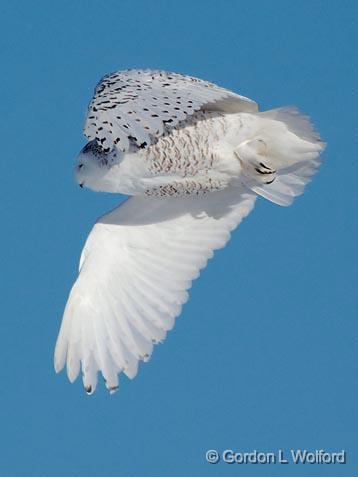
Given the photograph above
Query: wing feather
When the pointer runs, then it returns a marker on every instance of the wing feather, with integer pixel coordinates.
(136, 267)
(138, 106)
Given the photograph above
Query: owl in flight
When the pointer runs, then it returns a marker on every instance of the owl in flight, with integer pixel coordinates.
(193, 157)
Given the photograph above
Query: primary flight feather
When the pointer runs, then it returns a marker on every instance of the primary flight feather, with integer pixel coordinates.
(193, 156)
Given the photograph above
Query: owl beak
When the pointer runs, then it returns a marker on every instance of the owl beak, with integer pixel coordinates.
(81, 185)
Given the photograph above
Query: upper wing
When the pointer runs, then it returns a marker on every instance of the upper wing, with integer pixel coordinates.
(136, 106)
(135, 268)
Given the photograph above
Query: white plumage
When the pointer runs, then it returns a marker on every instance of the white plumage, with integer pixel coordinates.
(194, 156)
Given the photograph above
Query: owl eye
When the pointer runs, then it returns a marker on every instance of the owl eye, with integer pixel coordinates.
(80, 166)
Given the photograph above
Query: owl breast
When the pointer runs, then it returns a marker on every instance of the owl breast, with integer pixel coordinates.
(185, 161)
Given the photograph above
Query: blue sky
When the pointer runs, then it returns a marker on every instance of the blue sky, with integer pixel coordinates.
(264, 355)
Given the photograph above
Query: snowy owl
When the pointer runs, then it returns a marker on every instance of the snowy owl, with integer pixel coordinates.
(193, 157)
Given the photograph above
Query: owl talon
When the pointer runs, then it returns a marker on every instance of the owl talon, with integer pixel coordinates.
(263, 169)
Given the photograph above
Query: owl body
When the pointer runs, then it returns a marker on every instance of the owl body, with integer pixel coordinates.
(188, 161)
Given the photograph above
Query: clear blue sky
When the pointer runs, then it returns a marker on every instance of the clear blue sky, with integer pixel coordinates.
(264, 355)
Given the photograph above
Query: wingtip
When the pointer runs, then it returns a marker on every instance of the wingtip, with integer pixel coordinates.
(89, 390)
(113, 389)
(58, 365)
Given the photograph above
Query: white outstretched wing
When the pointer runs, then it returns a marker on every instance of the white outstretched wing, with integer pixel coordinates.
(138, 106)
(136, 267)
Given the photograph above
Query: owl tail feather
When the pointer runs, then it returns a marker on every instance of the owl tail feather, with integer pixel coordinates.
(282, 156)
